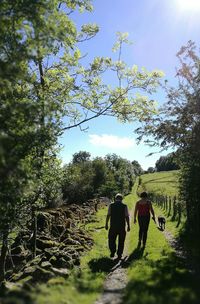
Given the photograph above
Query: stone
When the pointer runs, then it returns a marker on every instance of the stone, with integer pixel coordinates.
(53, 260)
(17, 250)
(62, 263)
(61, 272)
(44, 221)
(46, 265)
(42, 244)
(70, 241)
(41, 274)
(76, 261)
(36, 261)
(49, 252)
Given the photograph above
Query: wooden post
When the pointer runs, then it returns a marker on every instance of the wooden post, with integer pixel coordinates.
(34, 223)
(166, 203)
(179, 213)
(174, 209)
(4, 250)
(170, 206)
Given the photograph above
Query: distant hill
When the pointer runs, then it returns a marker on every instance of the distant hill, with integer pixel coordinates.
(165, 182)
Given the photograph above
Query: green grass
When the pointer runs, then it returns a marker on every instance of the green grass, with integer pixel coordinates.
(165, 183)
(156, 274)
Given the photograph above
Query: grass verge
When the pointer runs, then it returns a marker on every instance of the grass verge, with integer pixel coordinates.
(156, 274)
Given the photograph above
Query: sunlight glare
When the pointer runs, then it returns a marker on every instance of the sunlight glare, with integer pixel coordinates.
(189, 5)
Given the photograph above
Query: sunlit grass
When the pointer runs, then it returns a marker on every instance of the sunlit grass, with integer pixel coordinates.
(165, 183)
(156, 274)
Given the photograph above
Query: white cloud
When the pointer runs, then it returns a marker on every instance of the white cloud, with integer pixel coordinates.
(111, 141)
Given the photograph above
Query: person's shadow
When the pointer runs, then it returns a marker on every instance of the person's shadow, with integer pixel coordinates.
(136, 254)
(104, 264)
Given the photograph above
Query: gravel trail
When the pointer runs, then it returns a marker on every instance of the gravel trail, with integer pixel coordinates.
(114, 285)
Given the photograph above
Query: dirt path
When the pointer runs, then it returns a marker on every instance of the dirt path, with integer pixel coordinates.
(116, 280)
(114, 285)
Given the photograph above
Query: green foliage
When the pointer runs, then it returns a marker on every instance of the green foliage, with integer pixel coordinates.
(137, 167)
(100, 176)
(78, 182)
(179, 127)
(30, 113)
(49, 185)
(80, 157)
(167, 163)
(150, 170)
(43, 80)
(85, 178)
(95, 97)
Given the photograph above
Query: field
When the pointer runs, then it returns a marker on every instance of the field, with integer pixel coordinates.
(165, 183)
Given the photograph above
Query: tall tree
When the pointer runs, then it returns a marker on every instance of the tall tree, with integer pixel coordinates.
(29, 115)
(45, 89)
(178, 126)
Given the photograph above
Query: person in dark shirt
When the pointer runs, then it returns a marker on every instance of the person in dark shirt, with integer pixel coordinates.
(143, 208)
(119, 217)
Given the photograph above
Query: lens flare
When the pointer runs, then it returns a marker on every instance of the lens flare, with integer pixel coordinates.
(189, 5)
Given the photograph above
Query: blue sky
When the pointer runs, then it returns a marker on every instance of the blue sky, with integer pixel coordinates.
(158, 28)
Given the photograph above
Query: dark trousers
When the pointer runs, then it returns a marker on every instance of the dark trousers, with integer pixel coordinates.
(112, 236)
(143, 221)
